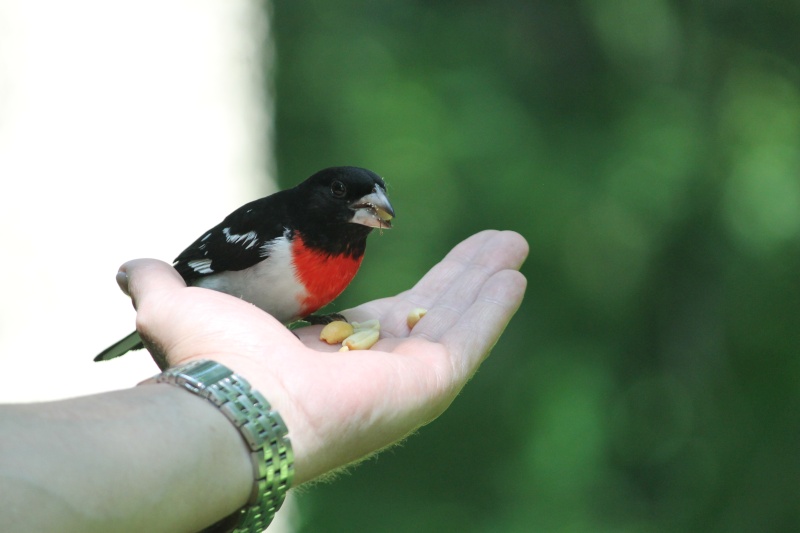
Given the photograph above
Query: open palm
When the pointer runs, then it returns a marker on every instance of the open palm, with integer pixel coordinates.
(342, 406)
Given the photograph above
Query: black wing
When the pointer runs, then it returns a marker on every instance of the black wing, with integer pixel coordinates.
(238, 242)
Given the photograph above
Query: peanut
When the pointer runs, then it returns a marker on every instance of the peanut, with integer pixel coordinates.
(335, 332)
(362, 340)
(367, 324)
(414, 316)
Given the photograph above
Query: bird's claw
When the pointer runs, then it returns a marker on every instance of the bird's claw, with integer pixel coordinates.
(323, 320)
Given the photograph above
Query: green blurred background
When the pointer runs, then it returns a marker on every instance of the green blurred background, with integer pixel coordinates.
(649, 150)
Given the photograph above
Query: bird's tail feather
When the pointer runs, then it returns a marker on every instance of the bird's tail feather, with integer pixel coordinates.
(121, 347)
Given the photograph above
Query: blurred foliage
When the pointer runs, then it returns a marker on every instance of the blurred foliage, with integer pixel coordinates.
(649, 150)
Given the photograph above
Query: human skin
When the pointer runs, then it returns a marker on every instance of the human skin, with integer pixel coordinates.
(156, 458)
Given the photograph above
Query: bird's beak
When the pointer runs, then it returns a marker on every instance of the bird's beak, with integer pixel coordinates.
(373, 210)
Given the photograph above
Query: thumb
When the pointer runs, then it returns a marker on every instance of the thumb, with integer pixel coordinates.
(143, 277)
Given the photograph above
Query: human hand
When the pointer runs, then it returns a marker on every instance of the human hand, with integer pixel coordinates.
(342, 406)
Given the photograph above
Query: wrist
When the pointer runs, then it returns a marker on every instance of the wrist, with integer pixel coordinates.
(258, 372)
(261, 428)
(217, 461)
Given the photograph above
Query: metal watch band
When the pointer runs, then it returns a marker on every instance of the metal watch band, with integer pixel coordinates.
(262, 429)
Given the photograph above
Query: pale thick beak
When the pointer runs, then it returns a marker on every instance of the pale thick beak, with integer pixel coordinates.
(373, 210)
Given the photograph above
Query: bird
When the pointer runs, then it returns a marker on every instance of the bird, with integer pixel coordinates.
(290, 253)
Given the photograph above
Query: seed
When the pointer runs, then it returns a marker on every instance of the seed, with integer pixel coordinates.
(335, 332)
(367, 324)
(414, 316)
(362, 340)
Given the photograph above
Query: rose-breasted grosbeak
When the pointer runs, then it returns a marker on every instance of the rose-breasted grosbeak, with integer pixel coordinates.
(289, 253)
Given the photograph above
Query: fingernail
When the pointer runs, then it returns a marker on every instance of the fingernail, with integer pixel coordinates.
(122, 281)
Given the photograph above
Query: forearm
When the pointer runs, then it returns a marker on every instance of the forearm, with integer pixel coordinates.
(151, 458)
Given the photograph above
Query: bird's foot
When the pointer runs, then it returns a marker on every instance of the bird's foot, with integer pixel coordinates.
(323, 319)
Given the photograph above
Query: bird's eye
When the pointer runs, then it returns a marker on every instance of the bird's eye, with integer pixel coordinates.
(338, 189)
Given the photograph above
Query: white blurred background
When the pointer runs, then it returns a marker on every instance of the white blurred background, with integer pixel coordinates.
(126, 129)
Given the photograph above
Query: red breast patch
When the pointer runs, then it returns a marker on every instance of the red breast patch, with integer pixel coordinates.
(324, 276)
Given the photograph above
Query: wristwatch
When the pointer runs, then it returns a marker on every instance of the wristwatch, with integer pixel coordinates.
(262, 429)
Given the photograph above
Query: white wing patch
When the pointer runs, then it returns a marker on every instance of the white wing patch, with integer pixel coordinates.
(201, 266)
(248, 240)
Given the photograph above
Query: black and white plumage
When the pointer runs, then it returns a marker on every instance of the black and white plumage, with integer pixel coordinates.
(289, 253)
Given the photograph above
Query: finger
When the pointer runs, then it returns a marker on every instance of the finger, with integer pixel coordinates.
(468, 265)
(451, 285)
(472, 248)
(148, 276)
(477, 330)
